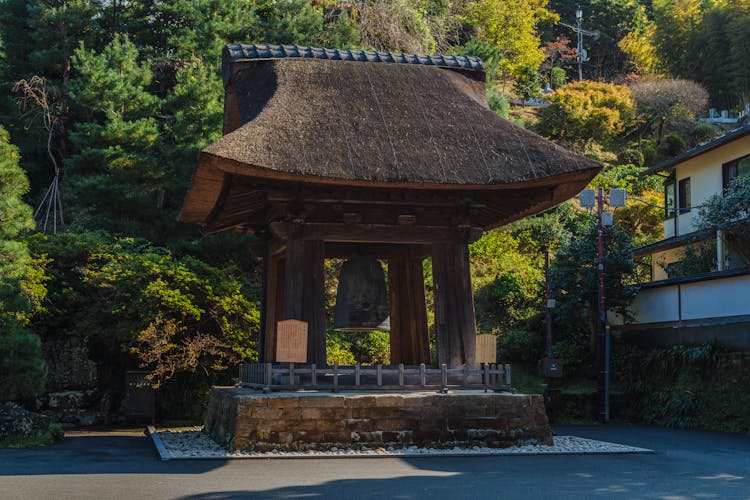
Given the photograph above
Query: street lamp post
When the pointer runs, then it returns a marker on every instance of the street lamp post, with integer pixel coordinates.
(588, 199)
(579, 47)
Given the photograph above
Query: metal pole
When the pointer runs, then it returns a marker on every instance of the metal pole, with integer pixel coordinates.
(548, 293)
(603, 347)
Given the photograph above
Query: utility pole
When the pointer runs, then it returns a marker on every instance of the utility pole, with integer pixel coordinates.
(581, 55)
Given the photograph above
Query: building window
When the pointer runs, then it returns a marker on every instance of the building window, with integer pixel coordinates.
(683, 198)
(669, 198)
(736, 168)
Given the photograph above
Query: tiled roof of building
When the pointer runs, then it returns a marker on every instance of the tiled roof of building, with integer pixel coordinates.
(690, 153)
(239, 52)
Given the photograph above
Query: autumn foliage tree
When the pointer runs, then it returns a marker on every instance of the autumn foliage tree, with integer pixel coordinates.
(581, 113)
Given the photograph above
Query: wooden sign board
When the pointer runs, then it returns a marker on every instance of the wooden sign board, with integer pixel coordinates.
(291, 341)
(486, 348)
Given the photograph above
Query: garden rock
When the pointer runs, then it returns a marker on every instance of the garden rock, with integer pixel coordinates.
(15, 421)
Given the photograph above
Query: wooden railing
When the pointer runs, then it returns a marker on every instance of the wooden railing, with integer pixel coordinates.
(297, 376)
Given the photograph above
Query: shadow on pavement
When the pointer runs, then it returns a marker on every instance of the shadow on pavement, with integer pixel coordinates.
(97, 454)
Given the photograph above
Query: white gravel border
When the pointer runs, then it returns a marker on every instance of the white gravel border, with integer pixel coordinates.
(190, 443)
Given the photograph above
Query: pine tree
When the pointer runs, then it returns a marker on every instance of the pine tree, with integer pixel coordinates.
(21, 368)
(115, 167)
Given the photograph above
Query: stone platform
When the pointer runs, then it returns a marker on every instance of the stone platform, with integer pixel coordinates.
(245, 419)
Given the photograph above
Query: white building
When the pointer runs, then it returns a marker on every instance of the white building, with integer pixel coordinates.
(681, 305)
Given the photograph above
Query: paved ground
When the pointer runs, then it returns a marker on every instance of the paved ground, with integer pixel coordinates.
(687, 464)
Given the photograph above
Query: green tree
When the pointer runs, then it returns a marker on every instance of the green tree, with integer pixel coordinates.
(707, 41)
(576, 279)
(114, 169)
(527, 84)
(194, 110)
(130, 298)
(190, 29)
(730, 212)
(21, 366)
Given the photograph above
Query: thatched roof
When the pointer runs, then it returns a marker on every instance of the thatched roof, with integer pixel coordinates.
(415, 124)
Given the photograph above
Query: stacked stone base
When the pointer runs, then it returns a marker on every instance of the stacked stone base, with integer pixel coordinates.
(248, 420)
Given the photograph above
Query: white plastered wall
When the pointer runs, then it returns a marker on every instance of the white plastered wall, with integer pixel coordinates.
(705, 173)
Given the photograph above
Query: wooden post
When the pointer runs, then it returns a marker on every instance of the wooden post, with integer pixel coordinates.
(409, 337)
(304, 291)
(454, 305)
(273, 304)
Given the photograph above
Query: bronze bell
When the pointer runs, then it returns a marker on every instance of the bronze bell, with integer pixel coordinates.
(361, 298)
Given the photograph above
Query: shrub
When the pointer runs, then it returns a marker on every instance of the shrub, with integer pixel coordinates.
(558, 77)
(631, 156)
(337, 352)
(498, 103)
(703, 132)
(519, 345)
(173, 314)
(21, 368)
(674, 144)
(582, 112)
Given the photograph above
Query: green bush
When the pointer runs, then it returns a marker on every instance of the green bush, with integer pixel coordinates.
(581, 113)
(681, 386)
(575, 354)
(171, 314)
(631, 156)
(703, 132)
(558, 77)
(21, 367)
(674, 144)
(56, 431)
(650, 151)
(338, 352)
(519, 345)
(498, 103)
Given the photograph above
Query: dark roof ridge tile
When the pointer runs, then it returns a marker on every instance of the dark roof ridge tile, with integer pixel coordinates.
(243, 52)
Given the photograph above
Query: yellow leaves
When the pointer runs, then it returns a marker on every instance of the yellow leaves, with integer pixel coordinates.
(582, 112)
(511, 26)
(640, 47)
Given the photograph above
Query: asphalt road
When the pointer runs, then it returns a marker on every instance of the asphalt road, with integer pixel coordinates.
(687, 464)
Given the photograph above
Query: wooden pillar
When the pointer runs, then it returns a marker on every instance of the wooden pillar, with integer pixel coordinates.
(410, 343)
(273, 284)
(304, 290)
(454, 304)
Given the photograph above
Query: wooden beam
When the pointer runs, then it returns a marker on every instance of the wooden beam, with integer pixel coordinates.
(454, 305)
(377, 250)
(377, 233)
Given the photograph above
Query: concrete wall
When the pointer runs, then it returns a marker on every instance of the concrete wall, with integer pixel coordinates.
(716, 298)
